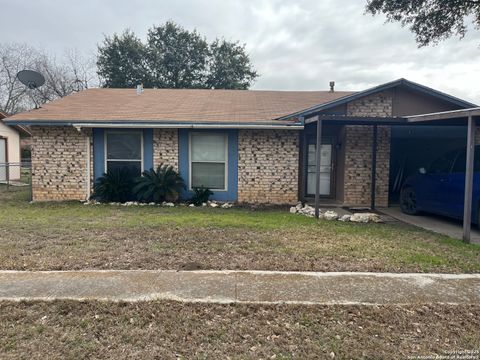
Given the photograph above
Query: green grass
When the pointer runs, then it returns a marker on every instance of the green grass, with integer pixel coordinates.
(69, 235)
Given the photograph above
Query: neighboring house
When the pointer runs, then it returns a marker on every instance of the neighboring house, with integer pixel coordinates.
(248, 146)
(9, 151)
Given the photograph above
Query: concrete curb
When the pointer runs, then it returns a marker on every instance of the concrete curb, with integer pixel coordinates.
(252, 287)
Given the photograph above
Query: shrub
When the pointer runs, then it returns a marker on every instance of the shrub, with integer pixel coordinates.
(114, 186)
(200, 195)
(164, 184)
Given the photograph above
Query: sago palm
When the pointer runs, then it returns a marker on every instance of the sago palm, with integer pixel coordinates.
(164, 184)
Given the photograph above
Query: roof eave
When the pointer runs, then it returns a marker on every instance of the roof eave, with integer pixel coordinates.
(163, 124)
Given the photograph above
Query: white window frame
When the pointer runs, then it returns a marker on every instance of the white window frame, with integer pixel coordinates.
(225, 135)
(105, 144)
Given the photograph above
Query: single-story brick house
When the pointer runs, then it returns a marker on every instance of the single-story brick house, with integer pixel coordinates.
(248, 146)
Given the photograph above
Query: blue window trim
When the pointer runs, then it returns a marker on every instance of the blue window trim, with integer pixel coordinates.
(184, 163)
(99, 150)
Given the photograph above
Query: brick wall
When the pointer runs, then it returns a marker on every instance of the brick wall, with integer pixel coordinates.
(165, 147)
(380, 105)
(358, 152)
(268, 166)
(358, 165)
(59, 163)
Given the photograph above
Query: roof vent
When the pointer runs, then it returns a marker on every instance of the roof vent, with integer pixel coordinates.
(332, 86)
(139, 89)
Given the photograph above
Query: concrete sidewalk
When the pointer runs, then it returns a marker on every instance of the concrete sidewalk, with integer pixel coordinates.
(242, 286)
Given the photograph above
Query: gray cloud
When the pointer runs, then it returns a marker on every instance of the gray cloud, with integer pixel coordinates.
(299, 44)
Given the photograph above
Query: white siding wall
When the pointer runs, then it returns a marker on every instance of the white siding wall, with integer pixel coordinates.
(13, 140)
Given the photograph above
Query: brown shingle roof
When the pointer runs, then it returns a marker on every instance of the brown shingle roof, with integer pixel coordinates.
(95, 105)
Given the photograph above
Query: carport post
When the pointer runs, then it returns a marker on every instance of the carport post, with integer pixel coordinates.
(317, 167)
(467, 207)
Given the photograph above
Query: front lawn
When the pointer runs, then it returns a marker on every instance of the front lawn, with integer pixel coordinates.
(173, 330)
(66, 236)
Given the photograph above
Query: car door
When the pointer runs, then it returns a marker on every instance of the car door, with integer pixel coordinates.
(437, 180)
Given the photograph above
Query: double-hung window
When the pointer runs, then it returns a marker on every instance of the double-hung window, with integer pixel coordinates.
(123, 149)
(208, 160)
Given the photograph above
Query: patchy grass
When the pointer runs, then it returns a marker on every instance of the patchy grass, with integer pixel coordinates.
(171, 330)
(69, 235)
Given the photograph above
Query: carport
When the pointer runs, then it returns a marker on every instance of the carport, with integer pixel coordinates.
(466, 118)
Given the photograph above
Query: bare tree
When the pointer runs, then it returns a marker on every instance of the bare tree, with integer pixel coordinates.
(13, 94)
(74, 72)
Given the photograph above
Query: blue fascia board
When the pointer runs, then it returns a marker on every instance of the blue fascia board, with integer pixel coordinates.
(231, 194)
(380, 88)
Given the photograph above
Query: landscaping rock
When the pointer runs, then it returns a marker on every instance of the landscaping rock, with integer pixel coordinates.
(308, 210)
(191, 205)
(204, 204)
(130, 203)
(169, 204)
(227, 206)
(213, 205)
(330, 215)
(365, 218)
(345, 218)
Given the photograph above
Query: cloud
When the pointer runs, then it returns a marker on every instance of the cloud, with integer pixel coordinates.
(299, 45)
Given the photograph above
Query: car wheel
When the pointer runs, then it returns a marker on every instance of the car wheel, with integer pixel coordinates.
(408, 201)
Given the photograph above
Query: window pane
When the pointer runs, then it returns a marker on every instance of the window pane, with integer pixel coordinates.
(324, 183)
(208, 147)
(135, 167)
(124, 146)
(210, 175)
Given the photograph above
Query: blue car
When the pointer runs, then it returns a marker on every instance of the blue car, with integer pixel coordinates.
(439, 189)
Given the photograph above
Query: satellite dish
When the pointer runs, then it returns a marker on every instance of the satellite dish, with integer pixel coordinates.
(31, 79)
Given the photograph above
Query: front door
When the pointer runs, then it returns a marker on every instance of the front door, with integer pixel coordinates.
(326, 167)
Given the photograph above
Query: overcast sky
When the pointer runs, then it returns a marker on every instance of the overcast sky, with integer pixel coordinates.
(294, 45)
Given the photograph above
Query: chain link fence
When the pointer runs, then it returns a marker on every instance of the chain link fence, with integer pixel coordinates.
(16, 176)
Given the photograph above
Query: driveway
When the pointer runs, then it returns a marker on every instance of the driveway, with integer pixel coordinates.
(435, 223)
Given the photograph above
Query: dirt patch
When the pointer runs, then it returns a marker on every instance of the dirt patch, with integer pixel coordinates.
(171, 330)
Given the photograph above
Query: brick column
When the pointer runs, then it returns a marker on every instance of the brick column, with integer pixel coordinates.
(165, 147)
(358, 152)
